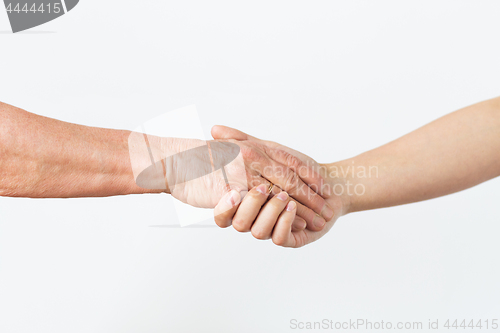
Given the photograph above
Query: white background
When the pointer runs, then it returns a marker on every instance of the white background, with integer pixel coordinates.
(332, 79)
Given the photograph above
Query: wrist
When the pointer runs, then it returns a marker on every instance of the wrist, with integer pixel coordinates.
(153, 161)
(355, 181)
(143, 152)
(339, 187)
(123, 163)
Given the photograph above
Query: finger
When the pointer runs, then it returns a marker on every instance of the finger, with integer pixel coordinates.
(249, 208)
(268, 216)
(220, 132)
(290, 182)
(310, 219)
(282, 234)
(279, 153)
(314, 221)
(299, 224)
(225, 209)
(307, 173)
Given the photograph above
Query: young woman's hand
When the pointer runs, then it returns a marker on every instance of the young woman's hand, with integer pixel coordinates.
(267, 216)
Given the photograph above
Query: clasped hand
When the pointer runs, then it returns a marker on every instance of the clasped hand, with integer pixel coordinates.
(257, 186)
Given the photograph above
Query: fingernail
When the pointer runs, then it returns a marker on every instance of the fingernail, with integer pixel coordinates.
(291, 206)
(262, 188)
(299, 225)
(282, 196)
(327, 212)
(233, 198)
(318, 221)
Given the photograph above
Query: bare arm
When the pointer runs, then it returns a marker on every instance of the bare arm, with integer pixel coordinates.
(450, 154)
(453, 153)
(46, 158)
(43, 157)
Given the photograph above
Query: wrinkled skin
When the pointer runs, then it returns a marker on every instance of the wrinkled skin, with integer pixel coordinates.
(255, 164)
(294, 238)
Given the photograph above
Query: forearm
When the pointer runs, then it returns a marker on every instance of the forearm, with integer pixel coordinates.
(455, 152)
(46, 158)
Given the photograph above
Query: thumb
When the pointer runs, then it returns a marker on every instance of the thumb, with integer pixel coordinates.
(220, 132)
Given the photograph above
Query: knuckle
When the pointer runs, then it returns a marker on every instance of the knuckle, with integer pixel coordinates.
(249, 153)
(291, 181)
(259, 234)
(281, 155)
(220, 222)
(240, 226)
(292, 160)
(279, 240)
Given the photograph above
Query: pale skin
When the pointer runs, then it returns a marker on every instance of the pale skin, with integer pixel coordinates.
(47, 158)
(450, 154)
(42, 157)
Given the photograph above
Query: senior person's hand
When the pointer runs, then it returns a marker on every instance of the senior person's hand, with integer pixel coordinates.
(49, 158)
(200, 173)
(274, 216)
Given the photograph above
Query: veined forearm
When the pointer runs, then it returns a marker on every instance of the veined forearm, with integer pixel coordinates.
(455, 152)
(47, 158)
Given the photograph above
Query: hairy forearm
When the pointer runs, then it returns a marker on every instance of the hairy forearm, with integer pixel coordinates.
(46, 158)
(455, 152)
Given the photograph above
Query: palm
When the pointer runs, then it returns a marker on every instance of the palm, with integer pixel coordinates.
(187, 168)
(206, 191)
